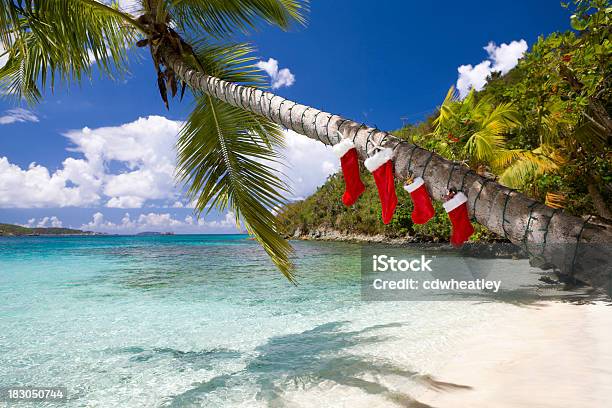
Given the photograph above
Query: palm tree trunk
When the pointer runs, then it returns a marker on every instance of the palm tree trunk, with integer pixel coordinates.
(547, 234)
(598, 201)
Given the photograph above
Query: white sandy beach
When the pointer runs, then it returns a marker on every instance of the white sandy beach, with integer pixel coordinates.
(559, 355)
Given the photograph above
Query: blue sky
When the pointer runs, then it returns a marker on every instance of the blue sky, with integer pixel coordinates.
(103, 149)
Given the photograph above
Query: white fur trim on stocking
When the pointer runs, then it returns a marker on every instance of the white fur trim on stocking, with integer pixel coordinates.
(418, 182)
(380, 158)
(455, 202)
(343, 147)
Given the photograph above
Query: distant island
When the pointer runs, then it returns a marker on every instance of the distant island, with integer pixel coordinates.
(18, 230)
(147, 233)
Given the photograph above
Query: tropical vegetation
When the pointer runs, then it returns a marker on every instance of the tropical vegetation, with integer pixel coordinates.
(18, 230)
(544, 129)
(555, 141)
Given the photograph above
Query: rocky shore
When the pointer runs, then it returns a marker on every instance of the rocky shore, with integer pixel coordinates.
(475, 249)
(330, 234)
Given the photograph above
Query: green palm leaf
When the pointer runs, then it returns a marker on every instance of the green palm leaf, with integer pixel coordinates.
(504, 157)
(47, 39)
(9, 18)
(483, 144)
(504, 113)
(230, 62)
(225, 158)
(447, 109)
(518, 174)
(528, 164)
(219, 18)
(226, 155)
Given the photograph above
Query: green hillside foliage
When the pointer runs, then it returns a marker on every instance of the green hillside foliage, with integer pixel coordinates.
(325, 209)
(544, 129)
(561, 152)
(10, 229)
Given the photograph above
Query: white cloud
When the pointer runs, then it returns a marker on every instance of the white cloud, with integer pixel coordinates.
(308, 164)
(97, 221)
(226, 222)
(50, 222)
(3, 57)
(506, 56)
(132, 165)
(36, 187)
(17, 115)
(160, 222)
(128, 6)
(501, 59)
(127, 201)
(279, 78)
(143, 150)
(472, 77)
(44, 222)
(144, 147)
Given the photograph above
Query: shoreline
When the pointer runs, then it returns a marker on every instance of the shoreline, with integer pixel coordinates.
(557, 355)
(331, 234)
(478, 249)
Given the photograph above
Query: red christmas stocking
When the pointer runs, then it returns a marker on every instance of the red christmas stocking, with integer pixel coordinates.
(457, 211)
(381, 166)
(349, 161)
(423, 208)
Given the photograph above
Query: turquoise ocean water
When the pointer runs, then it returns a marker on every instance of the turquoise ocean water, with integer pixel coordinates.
(206, 320)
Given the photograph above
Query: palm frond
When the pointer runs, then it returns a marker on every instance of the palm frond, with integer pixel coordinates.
(52, 39)
(479, 109)
(504, 157)
(226, 160)
(27, 66)
(505, 113)
(230, 62)
(518, 174)
(447, 109)
(470, 100)
(555, 123)
(134, 8)
(9, 19)
(555, 200)
(219, 18)
(483, 144)
(525, 168)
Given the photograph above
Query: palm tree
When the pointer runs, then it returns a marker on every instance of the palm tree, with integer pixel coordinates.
(474, 129)
(229, 139)
(561, 141)
(225, 153)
